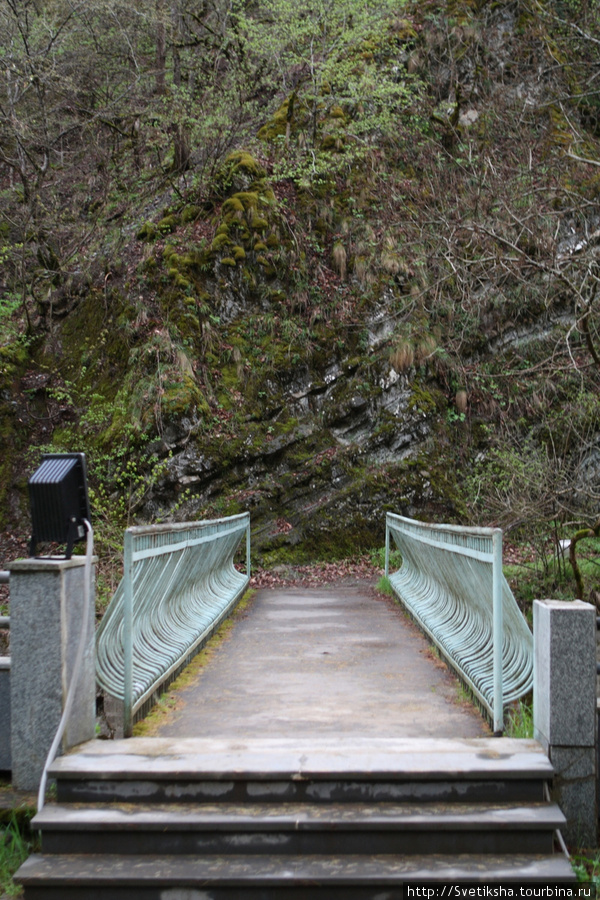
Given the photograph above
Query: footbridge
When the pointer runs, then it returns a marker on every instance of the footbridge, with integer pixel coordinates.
(325, 749)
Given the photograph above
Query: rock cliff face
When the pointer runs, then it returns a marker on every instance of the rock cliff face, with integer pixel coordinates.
(383, 300)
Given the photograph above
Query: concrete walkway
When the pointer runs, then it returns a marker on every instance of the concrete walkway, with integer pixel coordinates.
(338, 660)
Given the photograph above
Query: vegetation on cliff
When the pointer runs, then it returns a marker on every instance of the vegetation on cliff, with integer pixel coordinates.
(317, 261)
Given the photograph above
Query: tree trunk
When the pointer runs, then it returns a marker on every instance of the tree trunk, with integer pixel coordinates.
(161, 49)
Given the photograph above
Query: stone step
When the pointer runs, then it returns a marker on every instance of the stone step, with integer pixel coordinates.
(299, 828)
(198, 819)
(305, 790)
(352, 770)
(351, 877)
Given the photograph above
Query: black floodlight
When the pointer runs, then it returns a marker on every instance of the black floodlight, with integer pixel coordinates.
(59, 502)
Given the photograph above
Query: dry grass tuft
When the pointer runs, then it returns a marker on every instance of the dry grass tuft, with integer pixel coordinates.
(340, 259)
(461, 401)
(402, 357)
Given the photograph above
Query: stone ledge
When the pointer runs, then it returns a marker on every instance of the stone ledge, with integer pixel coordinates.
(47, 563)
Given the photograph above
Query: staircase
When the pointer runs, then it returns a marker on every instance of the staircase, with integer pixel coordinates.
(166, 819)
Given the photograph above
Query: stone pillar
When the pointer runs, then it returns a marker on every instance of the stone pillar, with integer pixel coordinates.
(46, 616)
(564, 709)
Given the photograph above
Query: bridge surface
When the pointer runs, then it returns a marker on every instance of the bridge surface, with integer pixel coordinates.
(339, 661)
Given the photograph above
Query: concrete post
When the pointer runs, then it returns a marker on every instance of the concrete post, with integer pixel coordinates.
(564, 709)
(46, 615)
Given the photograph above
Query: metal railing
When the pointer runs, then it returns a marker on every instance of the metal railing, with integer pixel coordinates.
(4, 579)
(451, 582)
(179, 582)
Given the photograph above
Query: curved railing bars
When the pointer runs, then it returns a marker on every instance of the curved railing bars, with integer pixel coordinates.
(451, 582)
(179, 583)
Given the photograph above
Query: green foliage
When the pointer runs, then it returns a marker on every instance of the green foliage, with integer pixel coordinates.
(464, 694)
(519, 720)
(16, 843)
(122, 468)
(377, 558)
(587, 867)
(352, 95)
(545, 570)
(384, 587)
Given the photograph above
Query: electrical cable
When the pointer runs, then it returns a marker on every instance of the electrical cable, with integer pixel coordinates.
(87, 576)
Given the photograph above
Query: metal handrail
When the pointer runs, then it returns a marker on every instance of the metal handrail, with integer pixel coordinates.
(451, 582)
(179, 583)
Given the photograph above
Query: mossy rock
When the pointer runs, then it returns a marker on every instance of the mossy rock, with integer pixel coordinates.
(181, 396)
(267, 266)
(182, 282)
(332, 143)
(241, 160)
(249, 278)
(405, 30)
(190, 214)
(220, 241)
(238, 172)
(259, 224)
(191, 260)
(168, 224)
(277, 126)
(247, 201)
(425, 401)
(240, 232)
(232, 206)
(148, 232)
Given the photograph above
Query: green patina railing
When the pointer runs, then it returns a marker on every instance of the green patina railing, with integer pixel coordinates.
(179, 582)
(451, 582)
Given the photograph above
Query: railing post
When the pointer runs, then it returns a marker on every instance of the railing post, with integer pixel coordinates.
(248, 549)
(498, 631)
(387, 547)
(127, 636)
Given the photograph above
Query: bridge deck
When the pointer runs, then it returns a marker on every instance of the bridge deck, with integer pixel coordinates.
(338, 660)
